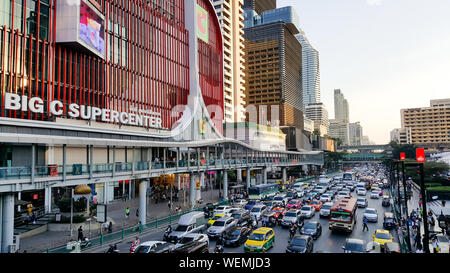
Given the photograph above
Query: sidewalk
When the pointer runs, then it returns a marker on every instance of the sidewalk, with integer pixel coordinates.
(116, 213)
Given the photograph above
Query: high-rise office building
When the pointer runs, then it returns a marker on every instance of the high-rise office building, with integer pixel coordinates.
(339, 129)
(273, 66)
(310, 71)
(341, 109)
(260, 5)
(401, 135)
(231, 15)
(355, 134)
(319, 114)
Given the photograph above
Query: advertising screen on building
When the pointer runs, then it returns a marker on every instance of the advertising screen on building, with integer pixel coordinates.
(92, 28)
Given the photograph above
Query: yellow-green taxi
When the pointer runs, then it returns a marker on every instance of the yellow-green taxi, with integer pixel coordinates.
(382, 236)
(260, 240)
(214, 218)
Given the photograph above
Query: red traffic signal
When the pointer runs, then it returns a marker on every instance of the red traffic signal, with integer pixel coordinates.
(420, 155)
(402, 156)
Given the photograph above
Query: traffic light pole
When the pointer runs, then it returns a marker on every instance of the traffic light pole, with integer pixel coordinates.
(406, 205)
(424, 209)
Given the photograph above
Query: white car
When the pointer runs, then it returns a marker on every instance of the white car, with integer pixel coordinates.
(257, 210)
(325, 210)
(222, 210)
(362, 202)
(291, 216)
(300, 193)
(361, 192)
(375, 194)
(371, 214)
(146, 247)
(342, 194)
(192, 237)
(325, 198)
(307, 211)
(240, 203)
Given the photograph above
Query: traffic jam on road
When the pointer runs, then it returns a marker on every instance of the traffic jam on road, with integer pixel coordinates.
(346, 212)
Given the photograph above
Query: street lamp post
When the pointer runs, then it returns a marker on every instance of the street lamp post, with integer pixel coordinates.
(71, 214)
(406, 204)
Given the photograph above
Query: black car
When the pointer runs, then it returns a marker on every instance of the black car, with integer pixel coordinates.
(291, 195)
(236, 236)
(243, 217)
(193, 247)
(354, 246)
(386, 202)
(311, 228)
(300, 244)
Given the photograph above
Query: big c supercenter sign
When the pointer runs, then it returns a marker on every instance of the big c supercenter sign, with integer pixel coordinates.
(202, 24)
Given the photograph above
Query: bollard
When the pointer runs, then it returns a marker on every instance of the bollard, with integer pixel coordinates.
(156, 222)
(123, 233)
(170, 219)
(101, 239)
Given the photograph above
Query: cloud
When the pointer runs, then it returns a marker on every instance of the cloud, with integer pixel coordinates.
(374, 2)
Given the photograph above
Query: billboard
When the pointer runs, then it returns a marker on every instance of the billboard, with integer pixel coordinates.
(202, 24)
(92, 28)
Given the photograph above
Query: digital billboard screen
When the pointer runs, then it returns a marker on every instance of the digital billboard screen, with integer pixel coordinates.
(92, 28)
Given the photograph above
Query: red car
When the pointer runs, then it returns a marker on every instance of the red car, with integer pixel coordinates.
(316, 204)
(294, 204)
(279, 213)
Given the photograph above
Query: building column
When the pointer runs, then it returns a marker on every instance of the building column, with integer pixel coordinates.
(264, 175)
(225, 185)
(7, 221)
(202, 184)
(192, 190)
(1, 222)
(248, 178)
(48, 199)
(143, 202)
(239, 176)
(105, 193)
(284, 175)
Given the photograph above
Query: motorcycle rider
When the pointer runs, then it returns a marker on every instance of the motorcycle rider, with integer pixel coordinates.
(134, 244)
(292, 230)
(219, 245)
(167, 232)
(112, 249)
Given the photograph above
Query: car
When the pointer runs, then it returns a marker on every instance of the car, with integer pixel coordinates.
(294, 204)
(220, 226)
(260, 240)
(307, 211)
(240, 203)
(361, 191)
(290, 217)
(375, 194)
(342, 194)
(250, 204)
(193, 247)
(279, 200)
(325, 210)
(362, 202)
(354, 246)
(386, 202)
(192, 222)
(223, 210)
(316, 204)
(291, 195)
(192, 237)
(300, 244)
(163, 248)
(371, 214)
(236, 236)
(147, 247)
(269, 204)
(312, 228)
(243, 217)
(279, 213)
(392, 247)
(256, 211)
(320, 189)
(325, 198)
(382, 236)
(214, 218)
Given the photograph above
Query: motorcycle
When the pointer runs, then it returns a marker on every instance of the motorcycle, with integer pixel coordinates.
(133, 247)
(112, 249)
(218, 249)
(85, 243)
(166, 235)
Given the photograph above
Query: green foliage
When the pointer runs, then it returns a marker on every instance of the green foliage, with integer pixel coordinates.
(441, 188)
(408, 149)
(78, 206)
(75, 219)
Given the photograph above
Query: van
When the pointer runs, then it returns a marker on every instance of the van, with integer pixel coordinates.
(193, 222)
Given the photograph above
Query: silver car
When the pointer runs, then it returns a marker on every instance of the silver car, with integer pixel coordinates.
(325, 210)
(362, 202)
(307, 211)
(221, 225)
(371, 214)
(291, 216)
(375, 194)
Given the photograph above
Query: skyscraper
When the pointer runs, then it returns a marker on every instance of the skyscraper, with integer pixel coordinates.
(355, 134)
(260, 5)
(230, 14)
(310, 71)
(319, 114)
(341, 111)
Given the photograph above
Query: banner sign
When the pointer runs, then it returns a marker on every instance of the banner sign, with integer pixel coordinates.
(202, 24)
(420, 155)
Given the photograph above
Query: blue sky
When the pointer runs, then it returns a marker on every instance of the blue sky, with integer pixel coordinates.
(384, 55)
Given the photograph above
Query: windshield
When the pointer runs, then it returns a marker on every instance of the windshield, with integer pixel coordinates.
(298, 242)
(236, 216)
(219, 223)
(186, 240)
(370, 211)
(216, 217)
(354, 247)
(293, 202)
(220, 208)
(383, 236)
(251, 202)
(314, 203)
(326, 207)
(257, 237)
(290, 214)
(142, 249)
(362, 200)
(181, 228)
(310, 226)
(278, 198)
(341, 216)
(306, 208)
(256, 209)
(235, 233)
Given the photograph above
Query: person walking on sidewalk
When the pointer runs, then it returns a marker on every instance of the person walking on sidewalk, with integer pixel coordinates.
(80, 234)
(365, 224)
(127, 212)
(137, 212)
(110, 227)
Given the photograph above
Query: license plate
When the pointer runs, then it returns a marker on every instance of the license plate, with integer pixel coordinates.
(251, 249)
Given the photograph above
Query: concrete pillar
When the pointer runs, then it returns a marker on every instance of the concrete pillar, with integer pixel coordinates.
(33, 161)
(192, 190)
(64, 160)
(264, 175)
(248, 178)
(143, 201)
(7, 221)
(284, 175)
(48, 199)
(130, 193)
(202, 184)
(105, 192)
(225, 185)
(1, 221)
(239, 176)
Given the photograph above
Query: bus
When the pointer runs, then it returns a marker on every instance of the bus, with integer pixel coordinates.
(348, 177)
(343, 214)
(262, 191)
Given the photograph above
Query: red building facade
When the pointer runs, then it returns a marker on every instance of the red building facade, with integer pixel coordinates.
(144, 68)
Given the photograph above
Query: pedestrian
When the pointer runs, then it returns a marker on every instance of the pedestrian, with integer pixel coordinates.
(435, 245)
(170, 205)
(105, 226)
(110, 227)
(33, 218)
(127, 212)
(365, 224)
(137, 212)
(80, 234)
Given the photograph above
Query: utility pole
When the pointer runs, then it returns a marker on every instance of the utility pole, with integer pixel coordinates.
(406, 205)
